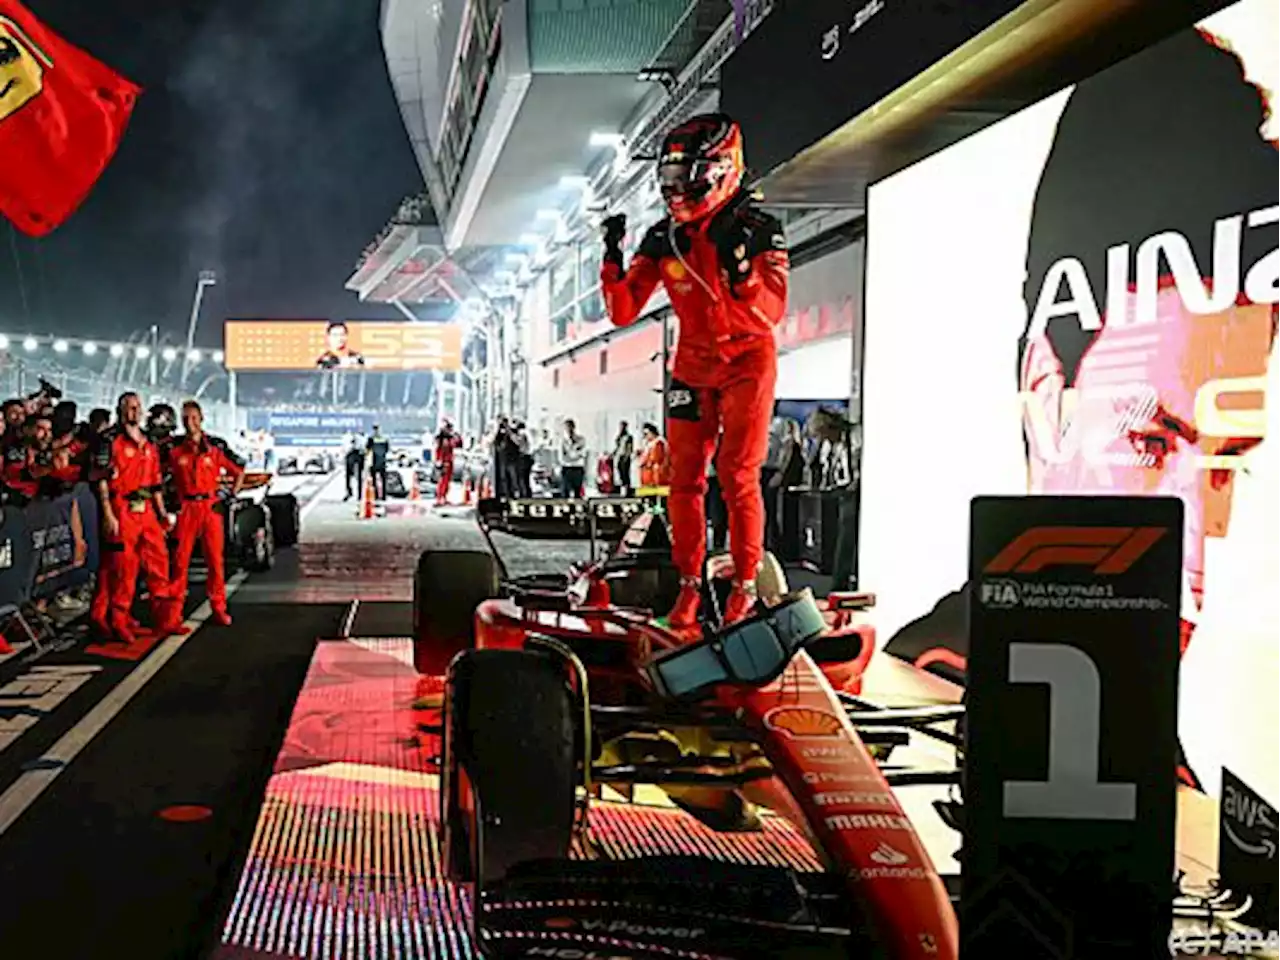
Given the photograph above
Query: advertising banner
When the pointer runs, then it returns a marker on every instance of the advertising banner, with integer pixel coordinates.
(382, 346)
(1247, 845)
(324, 428)
(1071, 727)
(778, 83)
(64, 541)
(15, 557)
(1103, 277)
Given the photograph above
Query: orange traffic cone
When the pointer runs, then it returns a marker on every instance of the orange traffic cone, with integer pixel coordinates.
(466, 491)
(367, 511)
(414, 492)
(5, 646)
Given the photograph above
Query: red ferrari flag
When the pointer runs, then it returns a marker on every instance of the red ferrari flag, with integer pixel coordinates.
(62, 114)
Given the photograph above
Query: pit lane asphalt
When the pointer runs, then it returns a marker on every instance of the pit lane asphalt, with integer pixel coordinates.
(342, 557)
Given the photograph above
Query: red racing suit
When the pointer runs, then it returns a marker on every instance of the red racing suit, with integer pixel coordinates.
(725, 369)
(132, 473)
(446, 443)
(197, 468)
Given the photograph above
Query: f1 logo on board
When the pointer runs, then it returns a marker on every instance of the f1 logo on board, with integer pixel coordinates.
(1107, 550)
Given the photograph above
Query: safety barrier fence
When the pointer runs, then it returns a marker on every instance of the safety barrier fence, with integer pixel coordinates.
(47, 548)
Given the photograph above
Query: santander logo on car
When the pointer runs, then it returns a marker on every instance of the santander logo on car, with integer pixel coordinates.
(888, 856)
(890, 863)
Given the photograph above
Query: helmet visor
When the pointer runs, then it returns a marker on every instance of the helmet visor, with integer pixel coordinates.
(689, 180)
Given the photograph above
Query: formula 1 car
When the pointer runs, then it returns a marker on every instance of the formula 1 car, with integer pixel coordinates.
(565, 683)
(316, 462)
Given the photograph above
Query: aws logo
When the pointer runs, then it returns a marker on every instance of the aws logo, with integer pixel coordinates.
(22, 67)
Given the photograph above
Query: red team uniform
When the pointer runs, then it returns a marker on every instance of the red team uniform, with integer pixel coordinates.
(724, 265)
(197, 467)
(132, 472)
(447, 442)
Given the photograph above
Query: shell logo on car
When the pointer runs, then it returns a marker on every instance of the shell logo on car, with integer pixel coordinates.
(803, 723)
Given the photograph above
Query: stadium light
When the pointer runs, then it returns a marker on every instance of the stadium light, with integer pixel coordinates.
(29, 344)
(117, 349)
(89, 348)
(218, 356)
(4, 342)
(61, 346)
(169, 354)
(193, 356)
(602, 139)
(142, 352)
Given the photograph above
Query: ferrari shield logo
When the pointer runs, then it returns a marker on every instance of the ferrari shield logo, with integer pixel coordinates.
(22, 67)
(675, 270)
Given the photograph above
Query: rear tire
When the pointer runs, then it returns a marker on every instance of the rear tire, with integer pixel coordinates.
(286, 518)
(510, 730)
(447, 587)
(252, 537)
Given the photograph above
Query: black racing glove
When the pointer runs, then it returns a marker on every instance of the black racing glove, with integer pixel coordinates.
(614, 230)
(731, 232)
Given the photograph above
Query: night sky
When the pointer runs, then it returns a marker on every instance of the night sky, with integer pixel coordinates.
(267, 145)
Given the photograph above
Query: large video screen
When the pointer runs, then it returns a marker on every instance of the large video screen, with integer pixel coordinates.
(1082, 299)
(385, 347)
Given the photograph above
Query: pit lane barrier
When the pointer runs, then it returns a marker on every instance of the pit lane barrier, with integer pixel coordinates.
(48, 548)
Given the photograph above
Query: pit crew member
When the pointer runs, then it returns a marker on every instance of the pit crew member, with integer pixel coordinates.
(198, 462)
(447, 441)
(127, 464)
(724, 265)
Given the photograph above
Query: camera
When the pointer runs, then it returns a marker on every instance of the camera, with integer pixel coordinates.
(42, 399)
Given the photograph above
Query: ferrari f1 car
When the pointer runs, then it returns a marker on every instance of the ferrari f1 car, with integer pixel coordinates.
(314, 462)
(557, 685)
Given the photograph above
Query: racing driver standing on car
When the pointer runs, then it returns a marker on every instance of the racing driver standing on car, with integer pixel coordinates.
(724, 265)
(198, 462)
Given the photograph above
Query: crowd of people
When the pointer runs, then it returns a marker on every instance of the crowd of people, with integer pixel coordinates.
(149, 483)
(525, 462)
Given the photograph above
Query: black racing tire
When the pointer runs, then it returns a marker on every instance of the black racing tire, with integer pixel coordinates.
(257, 551)
(286, 518)
(510, 729)
(394, 486)
(447, 587)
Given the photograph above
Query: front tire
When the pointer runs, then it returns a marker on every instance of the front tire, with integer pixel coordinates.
(509, 767)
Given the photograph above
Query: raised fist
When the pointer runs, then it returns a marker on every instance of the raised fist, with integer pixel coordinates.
(614, 229)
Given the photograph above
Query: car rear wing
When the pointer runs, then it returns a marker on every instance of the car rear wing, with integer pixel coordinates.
(605, 518)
